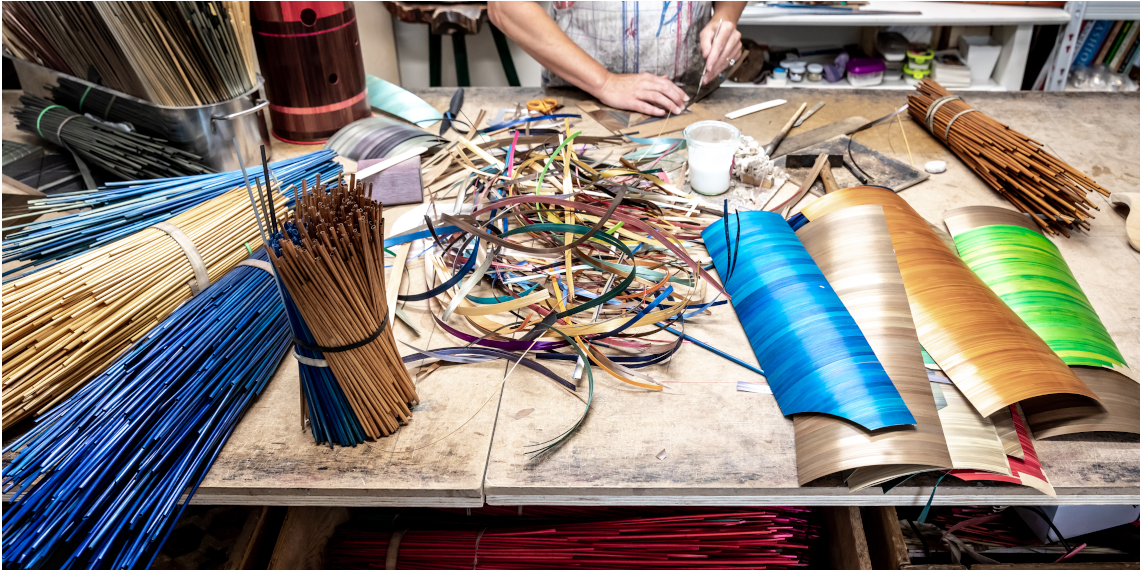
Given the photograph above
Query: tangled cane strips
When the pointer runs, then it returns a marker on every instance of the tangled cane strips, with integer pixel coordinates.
(1036, 182)
(331, 261)
(65, 324)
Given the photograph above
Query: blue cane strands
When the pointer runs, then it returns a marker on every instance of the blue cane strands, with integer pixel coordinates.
(97, 480)
(812, 352)
(120, 209)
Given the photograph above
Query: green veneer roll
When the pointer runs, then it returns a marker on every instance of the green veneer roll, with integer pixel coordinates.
(1027, 271)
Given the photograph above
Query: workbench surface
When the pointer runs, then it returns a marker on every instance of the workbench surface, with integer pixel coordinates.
(466, 441)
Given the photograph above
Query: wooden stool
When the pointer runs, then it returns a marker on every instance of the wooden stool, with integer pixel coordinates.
(457, 20)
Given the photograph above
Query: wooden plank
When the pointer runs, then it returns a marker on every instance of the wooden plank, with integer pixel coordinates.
(729, 448)
(437, 460)
(846, 541)
(722, 447)
(934, 567)
(243, 554)
(884, 538)
(304, 536)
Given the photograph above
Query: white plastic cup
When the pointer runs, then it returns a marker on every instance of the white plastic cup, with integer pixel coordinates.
(712, 145)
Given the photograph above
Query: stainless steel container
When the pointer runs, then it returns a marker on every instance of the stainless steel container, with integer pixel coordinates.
(206, 130)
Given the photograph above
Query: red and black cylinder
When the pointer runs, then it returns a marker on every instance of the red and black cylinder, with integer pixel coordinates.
(314, 72)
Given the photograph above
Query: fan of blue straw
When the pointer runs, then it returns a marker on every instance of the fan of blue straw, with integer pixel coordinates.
(123, 208)
(97, 481)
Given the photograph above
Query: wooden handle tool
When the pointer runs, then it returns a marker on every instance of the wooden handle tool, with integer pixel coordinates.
(772, 146)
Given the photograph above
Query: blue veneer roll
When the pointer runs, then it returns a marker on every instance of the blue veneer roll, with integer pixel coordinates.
(814, 355)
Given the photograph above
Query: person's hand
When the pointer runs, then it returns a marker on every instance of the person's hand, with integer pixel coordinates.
(643, 93)
(724, 52)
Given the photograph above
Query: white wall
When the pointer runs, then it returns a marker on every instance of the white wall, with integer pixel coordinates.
(398, 52)
(483, 64)
(377, 42)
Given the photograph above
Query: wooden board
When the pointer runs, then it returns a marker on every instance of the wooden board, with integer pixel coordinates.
(721, 446)
(304, 536)
(437, 459)
(734, 448)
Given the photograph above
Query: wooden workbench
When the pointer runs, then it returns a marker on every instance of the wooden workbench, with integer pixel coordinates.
(465, 443)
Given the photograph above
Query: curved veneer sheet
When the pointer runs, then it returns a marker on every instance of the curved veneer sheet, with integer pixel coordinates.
(813, 353)
(871, 288)
(1026, 270)
(991, 355)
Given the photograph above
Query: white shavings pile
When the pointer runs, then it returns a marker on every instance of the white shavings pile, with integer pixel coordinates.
(753, 164)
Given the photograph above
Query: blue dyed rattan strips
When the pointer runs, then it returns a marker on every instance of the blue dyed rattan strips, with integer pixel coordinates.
(98, 480)
(121, 209)
(814, 355)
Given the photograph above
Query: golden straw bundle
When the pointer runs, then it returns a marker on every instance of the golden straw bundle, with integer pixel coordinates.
(336, 280)
(65, 324)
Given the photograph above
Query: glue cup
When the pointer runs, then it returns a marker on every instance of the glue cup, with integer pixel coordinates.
(712, 145)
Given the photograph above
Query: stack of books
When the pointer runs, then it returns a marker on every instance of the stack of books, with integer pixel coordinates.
(1113, 44)
(950, 70)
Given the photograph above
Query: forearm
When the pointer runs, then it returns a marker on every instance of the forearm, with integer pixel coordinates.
(529, 26)
(728, 11)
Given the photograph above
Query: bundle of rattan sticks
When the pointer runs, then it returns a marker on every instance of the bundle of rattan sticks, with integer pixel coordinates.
(330, 257)
(1036, 182)
(65, 324)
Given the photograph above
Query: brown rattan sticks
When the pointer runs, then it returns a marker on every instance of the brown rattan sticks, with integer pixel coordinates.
(1033, 180)
(331, 261)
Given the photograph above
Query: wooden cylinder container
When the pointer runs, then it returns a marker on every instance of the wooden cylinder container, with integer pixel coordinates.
(314, 73)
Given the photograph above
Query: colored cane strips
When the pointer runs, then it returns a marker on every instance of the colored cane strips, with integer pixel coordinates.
(1027, 271)
(329, 256)
(97, 481)
(769, 537)
(813, 353)
(120, 209)
(992, 356)
(64, 325)
(1017, 167)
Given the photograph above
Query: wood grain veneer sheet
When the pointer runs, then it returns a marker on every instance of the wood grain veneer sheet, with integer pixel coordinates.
(1118, 409)
(1026, 270)
(1007, 432)
(812, 351)
(992, 356)
(1024, 471)
(1028, 273)
(871, 287)
(973, 441)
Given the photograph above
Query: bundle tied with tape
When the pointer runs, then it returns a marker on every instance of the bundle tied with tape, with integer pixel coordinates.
(1014, 165)
(329, 260)
(125, 155)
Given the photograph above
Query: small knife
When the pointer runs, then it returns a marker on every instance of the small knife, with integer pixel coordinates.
(810, 112)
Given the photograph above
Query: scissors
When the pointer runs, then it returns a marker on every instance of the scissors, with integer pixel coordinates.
(544, 106)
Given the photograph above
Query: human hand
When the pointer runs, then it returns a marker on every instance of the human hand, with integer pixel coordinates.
(724, 52)
(642, 93)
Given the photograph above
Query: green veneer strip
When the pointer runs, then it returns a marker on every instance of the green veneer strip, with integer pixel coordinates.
(1027, 271)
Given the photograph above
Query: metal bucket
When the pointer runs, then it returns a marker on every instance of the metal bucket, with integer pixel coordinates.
(205, 130)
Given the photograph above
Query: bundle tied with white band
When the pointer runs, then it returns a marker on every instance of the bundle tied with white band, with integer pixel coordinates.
(1014, 165)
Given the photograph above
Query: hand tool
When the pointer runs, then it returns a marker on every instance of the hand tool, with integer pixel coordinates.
(754, 108)
(452, 113)
(807, 160)
(697, 96)
(809, 113)
(542, 106)
(772, 146)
